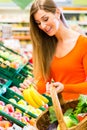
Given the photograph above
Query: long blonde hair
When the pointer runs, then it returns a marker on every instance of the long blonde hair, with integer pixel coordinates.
(43, 45)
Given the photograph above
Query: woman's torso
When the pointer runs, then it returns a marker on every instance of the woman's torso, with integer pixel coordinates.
(69, 68)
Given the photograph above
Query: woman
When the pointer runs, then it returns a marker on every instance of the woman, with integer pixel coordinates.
(59, 53)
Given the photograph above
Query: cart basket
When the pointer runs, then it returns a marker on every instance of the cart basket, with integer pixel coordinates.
(60, 106)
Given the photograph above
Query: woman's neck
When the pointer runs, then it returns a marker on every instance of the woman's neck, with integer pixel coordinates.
(65, 33)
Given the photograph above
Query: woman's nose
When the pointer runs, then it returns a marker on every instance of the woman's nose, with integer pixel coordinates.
(43, 25)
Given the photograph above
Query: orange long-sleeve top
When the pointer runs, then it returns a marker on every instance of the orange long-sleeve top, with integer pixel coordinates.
(71, 70)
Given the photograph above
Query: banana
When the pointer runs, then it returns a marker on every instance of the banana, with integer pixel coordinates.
(36, 97)
(39, 96)
(44, 99)
(27, 96)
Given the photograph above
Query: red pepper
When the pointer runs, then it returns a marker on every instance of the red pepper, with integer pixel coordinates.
(81, 116)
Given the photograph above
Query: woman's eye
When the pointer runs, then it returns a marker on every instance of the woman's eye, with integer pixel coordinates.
(46, 19)
(38, 24)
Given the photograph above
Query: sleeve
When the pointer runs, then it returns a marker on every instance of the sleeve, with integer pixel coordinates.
(41, 85)
(80, 88)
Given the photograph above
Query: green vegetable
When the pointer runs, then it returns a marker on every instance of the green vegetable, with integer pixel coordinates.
(68, 112)
(52, 114)
(74, 119)
(70, 121)
(82, 105)
(70, 116)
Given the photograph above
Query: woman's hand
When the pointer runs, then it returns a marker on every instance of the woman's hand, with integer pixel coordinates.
(59, 87)
(26, 83)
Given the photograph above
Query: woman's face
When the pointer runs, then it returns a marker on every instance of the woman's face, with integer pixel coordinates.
(47, 21)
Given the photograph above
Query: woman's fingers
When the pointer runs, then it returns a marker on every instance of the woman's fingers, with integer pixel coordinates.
(26, 83)
(21, 89)
(58, 86)
(48, 88)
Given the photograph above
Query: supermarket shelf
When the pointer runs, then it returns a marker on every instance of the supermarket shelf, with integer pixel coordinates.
(22, 37)
(78, 8)
(82, 22)
(75, 11)
(18, 19)
(19, 37)
(12, 8)
(21, 29)
(76, 15)
(14, 20)
(18, 28)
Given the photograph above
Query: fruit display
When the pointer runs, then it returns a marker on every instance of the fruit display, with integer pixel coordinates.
(14, 66)
(16, 89)
(4, 84)
(11, 58)
(27, 70)
(10, 97)
(15, 106)
(4, 124)
(17, 79)
(10, 61)
(16, 110)
(12, 115)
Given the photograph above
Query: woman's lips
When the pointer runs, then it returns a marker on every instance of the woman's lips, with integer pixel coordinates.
(48, 30)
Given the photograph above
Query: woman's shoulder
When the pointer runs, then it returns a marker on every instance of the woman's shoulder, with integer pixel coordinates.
(82, 40)
(82, 43)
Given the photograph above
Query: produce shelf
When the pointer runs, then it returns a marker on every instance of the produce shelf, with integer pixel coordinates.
(10, 118)
(2, 98)
(10, 61)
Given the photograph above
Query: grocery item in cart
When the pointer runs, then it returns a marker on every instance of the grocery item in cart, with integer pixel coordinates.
(43, 122)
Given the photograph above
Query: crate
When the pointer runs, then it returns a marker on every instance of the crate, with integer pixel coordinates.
(4, 48)
(11, 94)
(43, 121)
(12, 119)
(8, 55)
(27, 70)
(4, 83)
(3, 89)
(17, 79)
(5, 98)
(9, 72)
(6, 93)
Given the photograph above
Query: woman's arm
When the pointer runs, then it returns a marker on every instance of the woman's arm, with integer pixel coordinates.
(80, 88)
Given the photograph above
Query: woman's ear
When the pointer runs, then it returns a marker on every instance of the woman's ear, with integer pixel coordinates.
(57, 13)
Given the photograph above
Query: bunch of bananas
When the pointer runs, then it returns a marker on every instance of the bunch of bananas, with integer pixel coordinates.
(34, 98)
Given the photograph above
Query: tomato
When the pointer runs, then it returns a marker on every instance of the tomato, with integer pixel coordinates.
(81, 116)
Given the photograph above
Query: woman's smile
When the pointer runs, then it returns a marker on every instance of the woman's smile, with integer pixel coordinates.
(48, 29)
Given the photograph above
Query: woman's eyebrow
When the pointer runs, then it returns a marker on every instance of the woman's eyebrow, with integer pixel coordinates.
(41, 18)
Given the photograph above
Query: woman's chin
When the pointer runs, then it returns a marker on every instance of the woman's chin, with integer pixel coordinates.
(50, 34)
